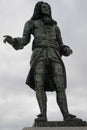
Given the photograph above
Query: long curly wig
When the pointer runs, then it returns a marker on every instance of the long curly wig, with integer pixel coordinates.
(38, 13)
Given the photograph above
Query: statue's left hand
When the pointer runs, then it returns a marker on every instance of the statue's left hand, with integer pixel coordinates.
(67, 51)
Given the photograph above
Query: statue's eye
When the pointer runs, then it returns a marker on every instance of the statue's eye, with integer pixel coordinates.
(44, 6)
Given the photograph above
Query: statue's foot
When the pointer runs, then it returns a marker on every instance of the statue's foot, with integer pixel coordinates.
(70, 117)
(41, 118)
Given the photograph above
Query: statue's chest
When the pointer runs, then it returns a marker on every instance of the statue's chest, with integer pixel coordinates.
(41, 29)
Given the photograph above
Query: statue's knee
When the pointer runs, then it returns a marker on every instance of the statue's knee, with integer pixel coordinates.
(61, 96)
(60, 90)
(38, 77)
(39, 82)
(58, 69)
(59, 82)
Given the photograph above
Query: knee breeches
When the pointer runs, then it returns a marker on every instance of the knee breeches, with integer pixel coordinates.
(55, 72)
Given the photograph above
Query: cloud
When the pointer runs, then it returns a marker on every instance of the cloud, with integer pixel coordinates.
(14, 110)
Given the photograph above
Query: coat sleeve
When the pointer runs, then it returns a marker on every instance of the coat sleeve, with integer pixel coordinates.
(58, 36)
(20, 42)
(63, 48)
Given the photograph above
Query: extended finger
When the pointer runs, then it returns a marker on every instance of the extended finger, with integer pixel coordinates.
(6, 36)
(4, 40)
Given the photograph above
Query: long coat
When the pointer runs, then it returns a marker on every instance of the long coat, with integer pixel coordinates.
(48, 83)
(44, 36)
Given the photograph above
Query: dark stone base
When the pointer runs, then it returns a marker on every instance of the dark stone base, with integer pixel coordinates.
(60, 123)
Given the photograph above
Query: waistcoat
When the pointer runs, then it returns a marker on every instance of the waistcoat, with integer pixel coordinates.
(44, 35)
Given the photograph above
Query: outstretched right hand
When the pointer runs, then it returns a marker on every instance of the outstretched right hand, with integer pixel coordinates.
(7, 39)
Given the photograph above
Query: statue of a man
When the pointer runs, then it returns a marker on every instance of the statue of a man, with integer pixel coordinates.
(47, 71)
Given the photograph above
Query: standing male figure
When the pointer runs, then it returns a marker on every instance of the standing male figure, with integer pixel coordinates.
(47, 71)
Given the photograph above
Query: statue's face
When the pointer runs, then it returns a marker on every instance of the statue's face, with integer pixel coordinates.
(45, 9)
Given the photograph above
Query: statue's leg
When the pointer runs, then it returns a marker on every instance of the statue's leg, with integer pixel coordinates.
(39, 88)
(58, 79)
(61, 95)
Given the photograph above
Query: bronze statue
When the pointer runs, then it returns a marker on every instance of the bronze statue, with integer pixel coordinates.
(47, 71)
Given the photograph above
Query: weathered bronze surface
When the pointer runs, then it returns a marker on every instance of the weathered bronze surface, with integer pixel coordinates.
(47, 71)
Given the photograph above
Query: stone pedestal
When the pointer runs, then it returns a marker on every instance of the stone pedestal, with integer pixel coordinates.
(55, 128)
(58, 125)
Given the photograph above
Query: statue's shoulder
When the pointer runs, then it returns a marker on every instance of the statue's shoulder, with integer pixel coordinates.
(29, 23)
(57, 28)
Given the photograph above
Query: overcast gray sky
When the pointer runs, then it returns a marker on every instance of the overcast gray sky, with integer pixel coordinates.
(18, 105)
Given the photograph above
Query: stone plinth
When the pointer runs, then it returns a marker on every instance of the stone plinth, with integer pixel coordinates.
(55, 128)
(58, 125)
